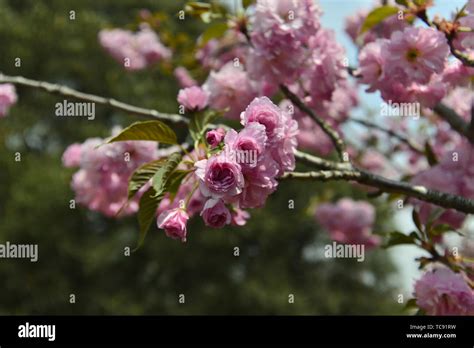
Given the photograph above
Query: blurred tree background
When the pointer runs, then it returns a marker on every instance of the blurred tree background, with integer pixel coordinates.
(82, 253)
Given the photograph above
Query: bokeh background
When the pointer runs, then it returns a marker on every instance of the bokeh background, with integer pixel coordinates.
(82, 252)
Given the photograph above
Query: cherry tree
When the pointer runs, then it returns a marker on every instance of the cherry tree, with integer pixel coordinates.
(271, 102)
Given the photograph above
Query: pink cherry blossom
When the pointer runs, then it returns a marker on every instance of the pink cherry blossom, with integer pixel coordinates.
(219, 177)
(101, 184)
(193, 98)
(371, 64)
(231, 88)
(263, 111)
(135, 51)
(8, 98)
(72, 155)
(260, 182)
(327, 67)
(470, 6)
(456, 74)
(239, 217)
(348, 222)
(464, 41)
(249, 144)
(184, 78)
(280, 31)
(461, 100)
(174, 223)
(443, 292)
(415, 54)
(454, 174)
(215, 214)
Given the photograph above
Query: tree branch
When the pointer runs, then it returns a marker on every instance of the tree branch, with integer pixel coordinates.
(72, 93)
(361, 176)
(455, 121)
(333, 170)
(326, 127)
(322, 175)
(450, 36)
(412, 145)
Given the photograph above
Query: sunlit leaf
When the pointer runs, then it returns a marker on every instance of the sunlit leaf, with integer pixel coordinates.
(377, 16)
(147, 130)
(161, 176)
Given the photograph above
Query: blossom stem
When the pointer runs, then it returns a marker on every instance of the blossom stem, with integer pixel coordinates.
(190, 195)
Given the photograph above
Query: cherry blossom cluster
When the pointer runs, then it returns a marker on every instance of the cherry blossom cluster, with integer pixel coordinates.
(101, 183)
(287, 42)
(8, 98)
(349, 222)
(239, 173)
(135, 51)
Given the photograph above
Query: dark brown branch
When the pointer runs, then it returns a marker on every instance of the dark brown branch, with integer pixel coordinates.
(326, 127)
(455, 121)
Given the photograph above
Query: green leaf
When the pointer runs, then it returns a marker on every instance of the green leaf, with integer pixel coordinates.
(430, 155)
(420, 2)
(411, 304)
(213, 31)
(146, 213)
(197, 8)
(147, 130)
(164, 179)
(402, 2)
(416, 220)
(397, 238)
(440, 229)
(199, 122)
(247, 3)
(377, 16)
(142, 175)
(160, 178)
(174, 181)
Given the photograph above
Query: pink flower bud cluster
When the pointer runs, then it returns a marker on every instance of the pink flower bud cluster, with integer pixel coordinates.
(193, 98)
(135, 51)
(8, 98)
(101, 183)
(348, 222)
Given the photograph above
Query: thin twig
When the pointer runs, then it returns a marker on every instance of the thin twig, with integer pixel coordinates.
(72, 93)
(412, 145)
(326, 127)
